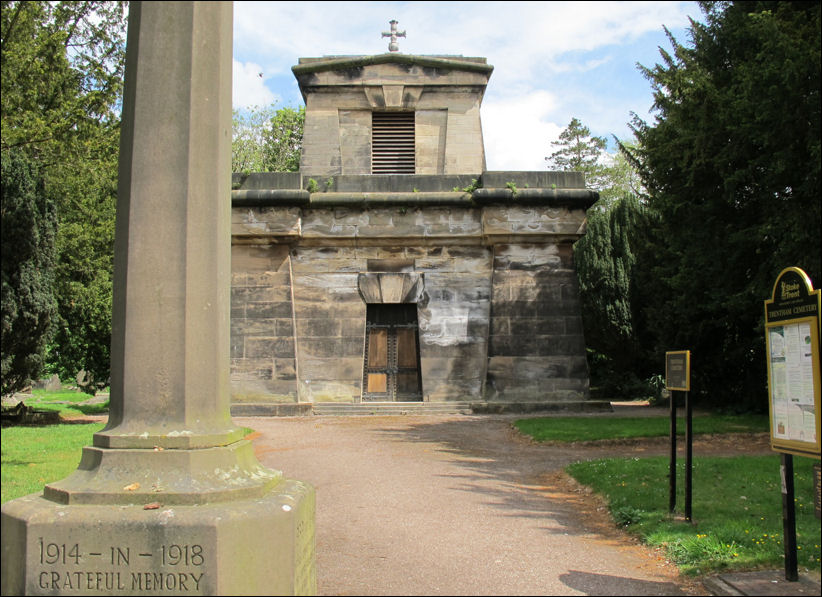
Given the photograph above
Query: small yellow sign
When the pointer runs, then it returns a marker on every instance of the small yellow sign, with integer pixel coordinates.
(678, 370)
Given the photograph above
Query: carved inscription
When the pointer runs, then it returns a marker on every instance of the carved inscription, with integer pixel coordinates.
(170, 568)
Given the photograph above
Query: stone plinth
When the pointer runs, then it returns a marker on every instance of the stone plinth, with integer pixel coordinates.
(261, 546)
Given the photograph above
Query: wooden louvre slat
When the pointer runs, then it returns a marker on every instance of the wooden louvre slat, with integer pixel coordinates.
(392, 143)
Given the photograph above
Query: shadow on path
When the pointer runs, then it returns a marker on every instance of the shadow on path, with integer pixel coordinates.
(511, 471)
(589, 583)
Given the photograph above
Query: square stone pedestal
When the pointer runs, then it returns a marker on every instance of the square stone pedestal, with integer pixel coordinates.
(257, 546)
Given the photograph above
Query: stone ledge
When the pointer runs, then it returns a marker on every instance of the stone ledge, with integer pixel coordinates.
(574, 198)
(431, 408)
(545, 179)
(494, 408)
(322, 200)
(393, 183)
(390, 408)
(497, 185)
(266, 180)
(271, 410)
(269, 197)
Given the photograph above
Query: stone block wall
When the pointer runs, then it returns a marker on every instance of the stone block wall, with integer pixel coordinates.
(492, 278)
(536, 347)
(329, 317)
(355, 141)
(263, 363)
(499, 323)
(430, 135)
(453, 319)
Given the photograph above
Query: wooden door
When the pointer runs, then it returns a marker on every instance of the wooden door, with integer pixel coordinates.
(392, 371)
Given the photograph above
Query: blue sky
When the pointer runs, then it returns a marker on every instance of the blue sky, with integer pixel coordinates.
(552, 60)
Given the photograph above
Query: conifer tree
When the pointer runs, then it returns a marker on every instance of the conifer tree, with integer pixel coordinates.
(731, 163)
(28, 235)
(579, 151)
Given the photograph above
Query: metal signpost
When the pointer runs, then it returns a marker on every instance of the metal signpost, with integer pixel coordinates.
(678, 379)
(792, 341)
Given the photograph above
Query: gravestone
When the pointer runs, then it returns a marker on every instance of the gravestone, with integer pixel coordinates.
(54, 384)
(169, 499)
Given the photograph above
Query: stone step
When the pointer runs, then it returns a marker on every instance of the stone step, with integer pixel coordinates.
(303, 409)
(391, 408)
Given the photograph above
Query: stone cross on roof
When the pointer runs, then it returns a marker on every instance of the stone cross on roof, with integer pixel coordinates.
(393, 34)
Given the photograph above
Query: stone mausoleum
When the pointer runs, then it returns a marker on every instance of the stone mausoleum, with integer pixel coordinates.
(393, 270)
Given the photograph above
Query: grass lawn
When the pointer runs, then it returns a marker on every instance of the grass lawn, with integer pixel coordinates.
(67, 402)
(736, 507)
(736, 502)
(34, 456)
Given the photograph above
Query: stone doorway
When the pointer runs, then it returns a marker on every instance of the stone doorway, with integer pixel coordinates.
(391, 371)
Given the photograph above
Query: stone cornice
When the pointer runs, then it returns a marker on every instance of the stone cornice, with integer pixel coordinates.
(573, 198)
(350, 62)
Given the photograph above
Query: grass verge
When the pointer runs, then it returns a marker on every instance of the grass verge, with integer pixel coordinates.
(576, 429)
(34, 456)
(69, 403)
(736, 506)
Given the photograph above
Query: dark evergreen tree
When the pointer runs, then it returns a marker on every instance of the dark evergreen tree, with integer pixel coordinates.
(29, 225)
(605, 259)
(731, 165)
(84, 268)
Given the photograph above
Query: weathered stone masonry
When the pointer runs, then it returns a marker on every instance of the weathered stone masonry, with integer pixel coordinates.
(497, 300)
(450, 285)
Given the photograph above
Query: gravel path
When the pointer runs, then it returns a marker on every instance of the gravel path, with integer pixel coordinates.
(457, 505)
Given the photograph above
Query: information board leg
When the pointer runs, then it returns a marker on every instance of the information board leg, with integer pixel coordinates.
(788, 517)
(672, 468)
(688, 456)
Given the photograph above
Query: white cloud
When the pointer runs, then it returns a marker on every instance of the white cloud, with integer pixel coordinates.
(249, 87)
(517, 131)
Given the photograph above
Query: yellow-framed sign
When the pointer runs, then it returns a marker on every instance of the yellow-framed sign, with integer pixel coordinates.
(792, 350)
(678, 370)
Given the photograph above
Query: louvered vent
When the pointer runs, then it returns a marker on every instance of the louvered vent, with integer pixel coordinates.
(392, 143)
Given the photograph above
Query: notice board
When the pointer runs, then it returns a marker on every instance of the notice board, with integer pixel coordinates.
(792, 336)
